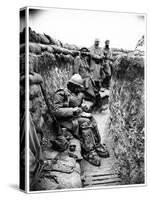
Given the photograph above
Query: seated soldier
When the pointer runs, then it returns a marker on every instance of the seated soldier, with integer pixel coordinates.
(71, 112)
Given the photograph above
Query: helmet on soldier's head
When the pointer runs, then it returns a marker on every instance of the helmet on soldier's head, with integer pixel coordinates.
(77, 80)
(107, 41)
(84, 49)
(96, 40)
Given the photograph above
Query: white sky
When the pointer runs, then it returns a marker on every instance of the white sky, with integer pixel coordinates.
(82, 27)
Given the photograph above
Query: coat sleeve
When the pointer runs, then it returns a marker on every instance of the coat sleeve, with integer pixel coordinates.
(76, 66)
(111, 54)
(60, 110)
(96, 56)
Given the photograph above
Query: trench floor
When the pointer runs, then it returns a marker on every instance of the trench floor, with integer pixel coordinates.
(104, 175)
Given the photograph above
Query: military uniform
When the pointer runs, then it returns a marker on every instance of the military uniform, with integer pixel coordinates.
(81, 67)
(107, 66)
(96, 63)
(107, 62)
(84, 128)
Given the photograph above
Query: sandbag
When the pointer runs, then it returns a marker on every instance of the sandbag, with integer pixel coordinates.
(43, 39)
(33, 63)
(50, 49)
(68, 58)
(34, 91)
(45, 184)
(35, 79)
(33, 36)
(72, 177)
(52, 40)
(46, 48)
(46, 60)
(50, 154)
(72, 180)
(37, 37)
(34, 48)
(74, 53)
(60, 50)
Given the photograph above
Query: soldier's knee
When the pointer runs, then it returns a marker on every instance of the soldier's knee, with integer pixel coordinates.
(86, 124)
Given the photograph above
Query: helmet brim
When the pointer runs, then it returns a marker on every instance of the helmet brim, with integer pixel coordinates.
(76, 84)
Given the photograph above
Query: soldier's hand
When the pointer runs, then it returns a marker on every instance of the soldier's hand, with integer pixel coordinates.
(77, 110)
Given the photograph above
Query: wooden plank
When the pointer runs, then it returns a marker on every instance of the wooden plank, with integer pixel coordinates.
(101, 181)
(101, 176)
(107, 184)
(101, 171)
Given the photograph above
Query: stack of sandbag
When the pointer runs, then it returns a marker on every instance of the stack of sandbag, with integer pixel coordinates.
(38, 48)
(36, 102)
(42, 42)
(65, 166)
(37, 37)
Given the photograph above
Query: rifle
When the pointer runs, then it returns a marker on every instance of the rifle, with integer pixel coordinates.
(55, 122)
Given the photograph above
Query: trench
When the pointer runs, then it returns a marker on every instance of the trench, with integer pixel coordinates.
(121, 126)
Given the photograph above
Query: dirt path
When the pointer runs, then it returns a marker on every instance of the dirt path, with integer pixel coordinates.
(105, 174)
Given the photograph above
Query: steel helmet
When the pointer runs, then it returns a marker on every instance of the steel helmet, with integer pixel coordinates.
(96, 40)
(77, 80)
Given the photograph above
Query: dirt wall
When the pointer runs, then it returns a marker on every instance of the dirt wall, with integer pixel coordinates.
(127, 117)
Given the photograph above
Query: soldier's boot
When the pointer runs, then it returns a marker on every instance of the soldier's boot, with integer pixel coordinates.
(101, 149)
(96, 133)
(88, 150)
(92, 158)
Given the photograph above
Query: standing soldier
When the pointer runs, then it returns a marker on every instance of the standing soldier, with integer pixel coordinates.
(81, 67)
(96, 63)
(71, 113)
(107, 64)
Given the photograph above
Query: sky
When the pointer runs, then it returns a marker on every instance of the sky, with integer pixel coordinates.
(81, 27)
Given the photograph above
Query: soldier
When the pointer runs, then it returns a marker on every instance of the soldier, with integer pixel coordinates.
(96, 63)
(107, 64)
(69, 111)
(81, 67)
